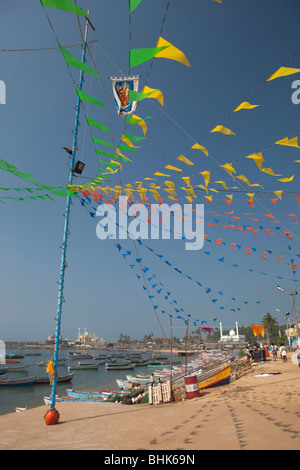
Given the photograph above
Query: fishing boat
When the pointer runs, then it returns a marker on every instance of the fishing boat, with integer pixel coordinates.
(221, 377)
(18, 368)
(60, 362)
(58, 398)
(87, 367)
(119, 366)
(78, 356)
(101, 394)
(124, 384)
(91, 363)
(12, 361)
(61, 379)
(14, 356)
(138, 380)
(17, 382)
(18, 409)
(78, 394)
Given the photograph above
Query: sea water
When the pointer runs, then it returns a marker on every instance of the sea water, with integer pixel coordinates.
(91, 380)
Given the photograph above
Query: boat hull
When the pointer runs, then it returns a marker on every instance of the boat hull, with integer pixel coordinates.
(215, 380)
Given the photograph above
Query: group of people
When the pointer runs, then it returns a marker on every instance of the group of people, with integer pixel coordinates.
(282, 351)
(255, 350)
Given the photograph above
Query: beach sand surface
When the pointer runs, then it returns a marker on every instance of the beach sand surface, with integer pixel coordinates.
(251, 413)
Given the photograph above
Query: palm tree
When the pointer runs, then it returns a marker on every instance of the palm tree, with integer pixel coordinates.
(271, 325)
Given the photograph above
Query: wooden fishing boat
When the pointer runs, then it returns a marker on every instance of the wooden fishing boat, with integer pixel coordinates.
(18, 368)
(17, 382)
(81, 394)
(13, 356)
(124, 384)
(221, 377)
(58, 398)
(60, 362)
(88, 367)
(12, 361)
(119, 366)
(91, 363)
(61, 379)
(101, 394)
(138, 380)
(18, 409)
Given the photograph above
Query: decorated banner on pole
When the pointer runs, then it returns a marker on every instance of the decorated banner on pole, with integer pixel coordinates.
(121, 87)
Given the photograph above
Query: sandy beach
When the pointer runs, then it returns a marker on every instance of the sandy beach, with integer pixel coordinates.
(251, 413)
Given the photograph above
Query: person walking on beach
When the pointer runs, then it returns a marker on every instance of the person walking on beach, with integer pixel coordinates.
(274, 351)
(283, 353)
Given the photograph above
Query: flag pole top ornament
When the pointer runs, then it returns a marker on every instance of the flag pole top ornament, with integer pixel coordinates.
(121, 87)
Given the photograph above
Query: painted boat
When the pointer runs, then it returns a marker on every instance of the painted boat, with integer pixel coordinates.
(119, 366)
(91, 363)
(12, 361)
(87, 367)
(124, 384)
(81, 394)
(101, 394)
(18, 410)
(14, 356)
(61, 379)
(138, 380)
(58, 398)
(60, 362)
(221, 377)
(17, 382)
(18, 368)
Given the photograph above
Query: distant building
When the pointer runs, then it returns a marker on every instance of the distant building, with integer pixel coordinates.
(233, 336)
(85, 337)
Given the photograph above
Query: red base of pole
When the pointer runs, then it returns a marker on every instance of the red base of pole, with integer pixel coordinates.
(52, 417)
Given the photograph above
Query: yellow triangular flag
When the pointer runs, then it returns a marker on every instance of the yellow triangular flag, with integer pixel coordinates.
(161, 174)
(141, 123)
(269, 171)
(245, 105)
(200, 147)
(278, 194)
(182, 158)
(187, 180)
(206, 176)
(170, 167)
(290, 142)
(209, 198)
(229, 168)
(286, 180)
(258, 158)
(222, 183)
(157, 94)
(245, 180)
(171, 52)
(127, 141)
(223, 130)
(283, 72)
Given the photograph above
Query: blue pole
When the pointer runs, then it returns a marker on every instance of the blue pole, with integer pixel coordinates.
(66, 233)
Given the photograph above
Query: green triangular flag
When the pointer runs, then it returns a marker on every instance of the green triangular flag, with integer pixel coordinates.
(102, 142)
(73, 62)
(134, 138)
(93, 123)
(133, 4)
(65, 5)
(138, 56)
(106, 154)
(137, 96)
(84, 97)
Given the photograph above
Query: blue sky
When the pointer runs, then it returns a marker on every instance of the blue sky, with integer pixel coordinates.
(233, 48)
